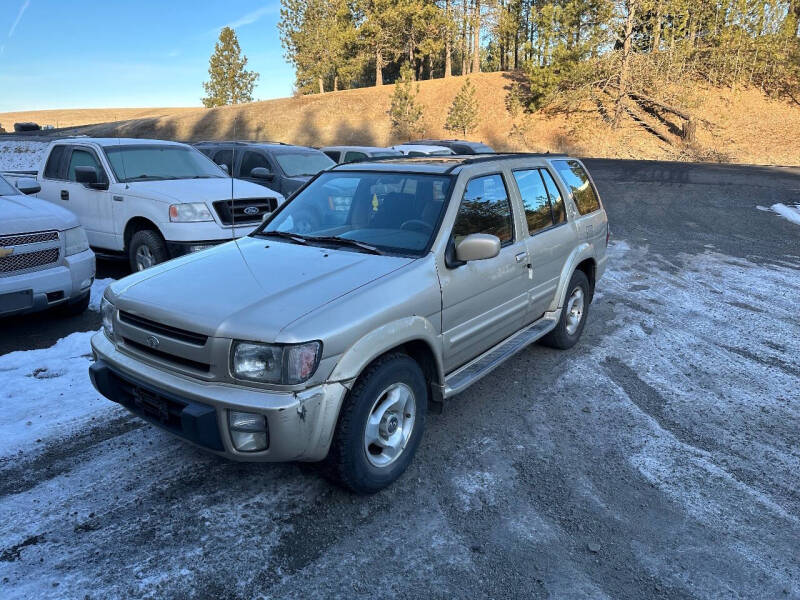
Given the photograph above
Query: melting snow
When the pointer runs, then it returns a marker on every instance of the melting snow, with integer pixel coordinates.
(791, 213)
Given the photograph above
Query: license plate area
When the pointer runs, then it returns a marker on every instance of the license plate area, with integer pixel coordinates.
(151, 405)
(14, 301)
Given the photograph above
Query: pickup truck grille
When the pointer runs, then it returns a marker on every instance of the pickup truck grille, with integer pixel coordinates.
(28, 260)
(244, 210)
(20, 239)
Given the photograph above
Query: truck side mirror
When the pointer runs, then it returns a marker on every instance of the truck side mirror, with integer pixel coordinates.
(477, 246)
(88, 176)
(261, 173)
(28, 185)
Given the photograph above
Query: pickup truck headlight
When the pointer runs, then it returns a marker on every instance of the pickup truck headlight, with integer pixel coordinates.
(75, 241)
(275, 363)
(107, 313)
(191, 212)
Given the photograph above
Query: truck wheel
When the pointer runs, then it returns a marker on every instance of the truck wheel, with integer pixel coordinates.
(147, 248)
(573, 315)
(76, 307)
(380, 425)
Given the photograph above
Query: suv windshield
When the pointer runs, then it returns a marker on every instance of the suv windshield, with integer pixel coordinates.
(160, 161)
(299, 164)
(394, 212)
(6, 189)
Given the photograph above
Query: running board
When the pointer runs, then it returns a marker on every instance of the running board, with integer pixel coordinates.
(465, 376)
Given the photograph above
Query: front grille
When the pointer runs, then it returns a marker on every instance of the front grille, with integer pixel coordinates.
(167, 357)
(182, 335)
(28, 260)
(20, 239)
(232, 212)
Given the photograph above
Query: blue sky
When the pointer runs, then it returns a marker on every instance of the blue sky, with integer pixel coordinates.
(114, 53)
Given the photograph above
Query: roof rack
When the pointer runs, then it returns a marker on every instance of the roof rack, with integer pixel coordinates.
(242, 142)
(489, 157)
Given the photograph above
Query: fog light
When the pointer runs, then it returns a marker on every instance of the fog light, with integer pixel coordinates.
(248, 431)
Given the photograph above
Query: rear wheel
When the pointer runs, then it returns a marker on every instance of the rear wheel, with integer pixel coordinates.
(573, 315)
(380, 425)
(146, 249)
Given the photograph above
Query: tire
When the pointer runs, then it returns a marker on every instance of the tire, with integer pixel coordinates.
(365, 467)
(146, 246)
(76, 307)
(567, 333)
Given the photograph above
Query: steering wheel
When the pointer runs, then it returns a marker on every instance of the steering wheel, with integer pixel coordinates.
(417, 225)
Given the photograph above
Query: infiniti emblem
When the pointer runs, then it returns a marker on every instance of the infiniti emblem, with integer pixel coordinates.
(251, 210)
(152, 341)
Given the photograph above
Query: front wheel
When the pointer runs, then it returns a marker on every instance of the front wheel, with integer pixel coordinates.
(380, 425)
(146, 249)
(573, 314)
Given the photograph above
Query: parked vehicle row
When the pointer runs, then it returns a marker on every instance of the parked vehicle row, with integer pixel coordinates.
(378, 290)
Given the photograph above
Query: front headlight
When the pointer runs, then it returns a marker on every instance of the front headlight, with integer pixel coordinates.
(191, 212)
(275, 363)
(75, 241)
(107, 313)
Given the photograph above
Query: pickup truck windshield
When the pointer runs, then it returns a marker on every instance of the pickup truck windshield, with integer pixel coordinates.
(156, 162)
(394, 212)
(6, 189)
(299, 164)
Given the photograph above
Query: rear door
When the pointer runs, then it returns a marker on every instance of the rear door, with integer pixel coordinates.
(92, 206)
(54, 175)
(550, 238)
(484, 301)
(590, 220)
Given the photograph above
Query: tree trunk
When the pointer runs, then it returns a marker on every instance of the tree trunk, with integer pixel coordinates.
(448, 50)
(430, 66)
(321, 85)
(476, 38)
(657, 27)
(335, 83)
(625, 66)
(378, 68)
(464, 42)
(689, 131)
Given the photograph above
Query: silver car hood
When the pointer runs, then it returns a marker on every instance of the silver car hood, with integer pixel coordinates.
(248, 289)
(24, 214)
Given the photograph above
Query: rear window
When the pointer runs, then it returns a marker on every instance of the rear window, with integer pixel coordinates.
(577, 181)
(53, 166)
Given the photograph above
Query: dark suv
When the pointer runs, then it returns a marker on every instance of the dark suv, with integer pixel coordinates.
(280, 167)
(458, 146)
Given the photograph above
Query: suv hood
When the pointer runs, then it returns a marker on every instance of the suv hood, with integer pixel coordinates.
(248, 289)
(196, 190)
(24, 214)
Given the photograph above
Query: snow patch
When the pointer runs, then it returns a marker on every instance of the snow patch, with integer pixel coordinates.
(790, 213)
(98, 288)
(18, 155)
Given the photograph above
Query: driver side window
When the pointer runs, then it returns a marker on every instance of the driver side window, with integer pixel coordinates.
(84, 158)
(485, 208)
(251, 160)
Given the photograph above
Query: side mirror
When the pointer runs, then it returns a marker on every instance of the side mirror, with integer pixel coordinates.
(477, 246)
(28, 185)
(88, 176)
(224, 167)
(261, 173)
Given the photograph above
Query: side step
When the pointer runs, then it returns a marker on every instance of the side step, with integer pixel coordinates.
(465, 376)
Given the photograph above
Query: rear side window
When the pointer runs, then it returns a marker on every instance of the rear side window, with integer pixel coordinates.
(556, 201)
(83, 158)
(333, 155)
(485, 208)
(576, 179)
(535, 199)
(53, 167)
(354, 156)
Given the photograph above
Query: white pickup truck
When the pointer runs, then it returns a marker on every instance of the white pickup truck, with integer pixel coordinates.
(149, 200)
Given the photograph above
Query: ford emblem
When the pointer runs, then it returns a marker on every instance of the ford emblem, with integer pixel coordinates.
(251, 210)
(152, 341)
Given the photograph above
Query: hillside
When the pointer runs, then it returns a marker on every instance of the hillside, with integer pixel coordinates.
(73, 117)
(735, 126)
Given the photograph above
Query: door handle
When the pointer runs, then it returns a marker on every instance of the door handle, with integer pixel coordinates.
(64, 195)
(521, 257)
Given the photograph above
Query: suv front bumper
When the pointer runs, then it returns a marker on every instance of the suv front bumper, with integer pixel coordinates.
(300, 424)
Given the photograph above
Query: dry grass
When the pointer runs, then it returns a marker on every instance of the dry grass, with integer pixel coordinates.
(75, 117)
(743, 126)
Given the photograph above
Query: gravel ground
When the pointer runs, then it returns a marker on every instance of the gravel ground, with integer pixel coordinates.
(659, 458)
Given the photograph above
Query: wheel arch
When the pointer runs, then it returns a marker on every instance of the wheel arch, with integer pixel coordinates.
(135, 224)
(582, 258)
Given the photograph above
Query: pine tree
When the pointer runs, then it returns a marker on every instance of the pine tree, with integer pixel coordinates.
(463, 114)
(404, 112)
(229, 81)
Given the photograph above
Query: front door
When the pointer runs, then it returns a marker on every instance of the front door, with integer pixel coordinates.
(484, 301)
(92, 206)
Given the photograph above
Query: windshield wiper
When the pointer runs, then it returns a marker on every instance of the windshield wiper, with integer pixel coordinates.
(335, 239)
(292, 237)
